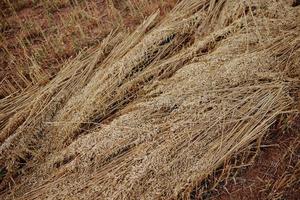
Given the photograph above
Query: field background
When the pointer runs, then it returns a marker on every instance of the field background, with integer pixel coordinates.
(38, 36)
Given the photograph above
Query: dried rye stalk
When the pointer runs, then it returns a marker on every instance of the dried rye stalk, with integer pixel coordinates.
(154, 116)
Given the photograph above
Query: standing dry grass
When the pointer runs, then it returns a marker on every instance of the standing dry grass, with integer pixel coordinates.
(36, 37)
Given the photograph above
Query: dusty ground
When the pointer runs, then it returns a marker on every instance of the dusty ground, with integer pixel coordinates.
(38, 35)
(271, 175)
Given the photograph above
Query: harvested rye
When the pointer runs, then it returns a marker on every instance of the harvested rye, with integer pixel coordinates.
(152, 114)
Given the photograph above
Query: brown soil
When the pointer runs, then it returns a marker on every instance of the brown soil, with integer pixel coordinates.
(40, 34)
(275, 172)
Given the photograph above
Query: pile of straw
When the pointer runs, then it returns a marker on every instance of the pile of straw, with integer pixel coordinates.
(151, 114)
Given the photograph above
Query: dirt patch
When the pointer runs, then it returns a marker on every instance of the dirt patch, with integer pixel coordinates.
(37, 35)
(275, 172)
